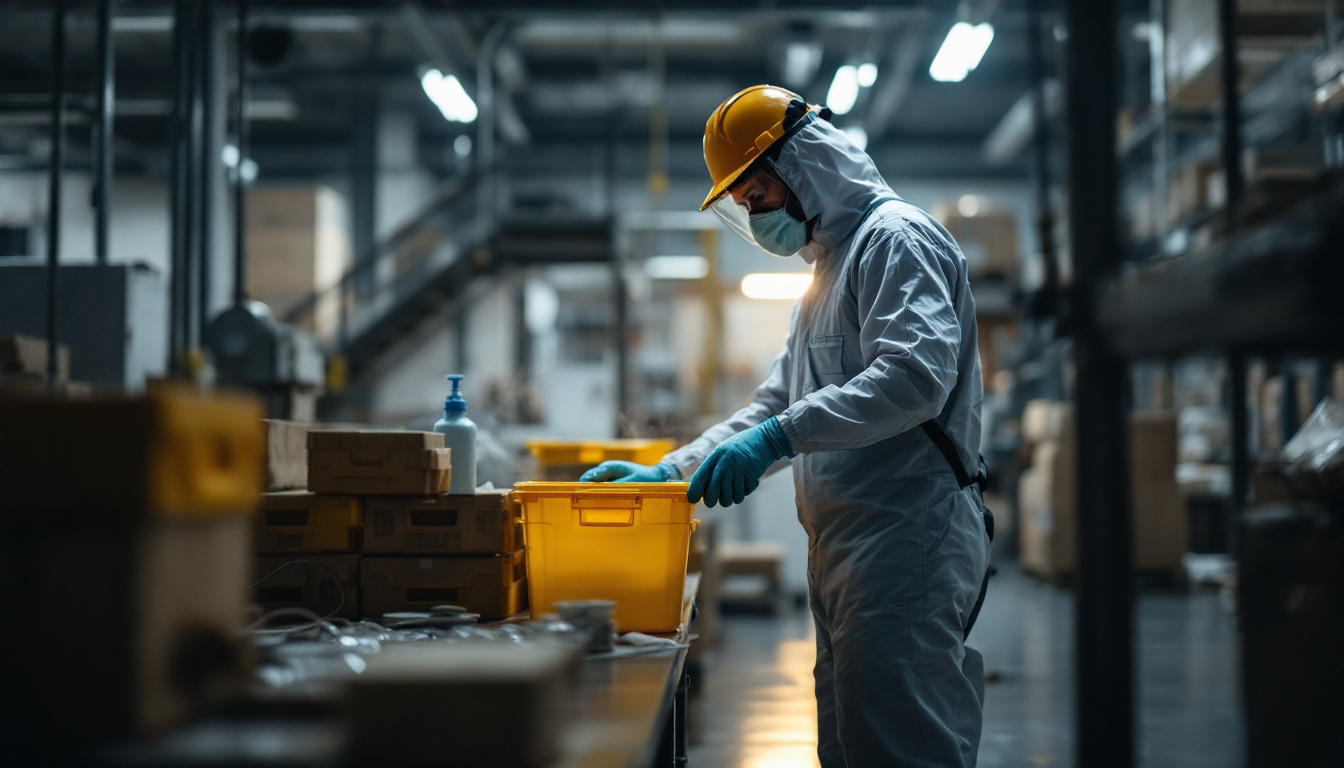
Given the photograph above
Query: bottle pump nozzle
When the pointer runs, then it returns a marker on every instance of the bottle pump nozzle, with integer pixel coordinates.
(455, 401)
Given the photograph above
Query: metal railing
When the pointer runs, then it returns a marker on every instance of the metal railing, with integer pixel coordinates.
(456, 220)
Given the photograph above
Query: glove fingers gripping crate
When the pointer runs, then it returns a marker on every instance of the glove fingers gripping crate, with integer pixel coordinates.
(626, 542)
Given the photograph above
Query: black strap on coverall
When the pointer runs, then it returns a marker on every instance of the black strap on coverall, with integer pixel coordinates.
(949, 451)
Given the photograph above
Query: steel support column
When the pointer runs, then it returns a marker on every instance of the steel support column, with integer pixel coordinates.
(1230, 109)
(239, 186)
(104, 150)
(54, 186)
(207, 163)
(1104, 613)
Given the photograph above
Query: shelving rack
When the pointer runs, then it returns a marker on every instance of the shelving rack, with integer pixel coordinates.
(1261, 281)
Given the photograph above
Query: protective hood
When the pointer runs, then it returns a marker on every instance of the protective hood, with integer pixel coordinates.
(835, 181)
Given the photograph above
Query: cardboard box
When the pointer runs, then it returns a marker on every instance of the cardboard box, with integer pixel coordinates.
(305, 585)
(494, 587)
(126, 630)
(28, 355)
(172, 453)
(1048, 496)
(484, 524)
(286, 454)
(372, 462)
(302, 522)
(298, 243)
(462, 704)
(1268, 32)
(1045, 420)
(987, 240)
(1048, 501)
(1161, 522)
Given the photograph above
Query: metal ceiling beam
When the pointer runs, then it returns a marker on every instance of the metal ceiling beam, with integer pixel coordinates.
(903, 64)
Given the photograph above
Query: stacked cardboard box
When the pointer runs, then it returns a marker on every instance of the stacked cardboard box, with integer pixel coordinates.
(463, 550)
(129, 518)
(23, 368)
(1048, 491)
(320, 535)
(1269, 31)
(988, 239)
(286, 454)
(376, 514)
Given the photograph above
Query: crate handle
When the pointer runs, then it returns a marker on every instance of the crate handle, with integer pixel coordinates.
(606, 517)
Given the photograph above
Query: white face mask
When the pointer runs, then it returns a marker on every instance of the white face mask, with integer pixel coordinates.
(777, 232)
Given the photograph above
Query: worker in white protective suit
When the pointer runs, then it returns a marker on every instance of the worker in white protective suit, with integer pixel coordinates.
(876, 398)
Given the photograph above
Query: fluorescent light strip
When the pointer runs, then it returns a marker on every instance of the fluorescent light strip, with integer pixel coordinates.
(776, 285)
(844, 90)
(449, 96)
(961, 51)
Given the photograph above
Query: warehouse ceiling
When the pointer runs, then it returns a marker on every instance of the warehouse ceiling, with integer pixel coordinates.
(599, 73)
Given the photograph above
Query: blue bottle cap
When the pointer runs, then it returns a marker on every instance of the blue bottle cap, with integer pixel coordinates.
(455, 401)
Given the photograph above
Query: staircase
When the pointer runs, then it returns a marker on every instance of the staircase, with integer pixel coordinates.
(433, 259)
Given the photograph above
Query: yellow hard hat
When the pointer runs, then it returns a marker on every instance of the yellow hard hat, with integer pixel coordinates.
(743, 128)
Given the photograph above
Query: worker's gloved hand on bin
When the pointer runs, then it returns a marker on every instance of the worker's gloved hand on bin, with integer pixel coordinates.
(630, 472)
(734, 468)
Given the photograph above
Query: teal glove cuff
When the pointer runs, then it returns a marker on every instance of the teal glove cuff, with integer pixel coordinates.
(776, 439)
(669, 471)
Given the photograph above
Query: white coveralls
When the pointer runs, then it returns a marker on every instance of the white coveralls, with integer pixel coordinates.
(884, 340)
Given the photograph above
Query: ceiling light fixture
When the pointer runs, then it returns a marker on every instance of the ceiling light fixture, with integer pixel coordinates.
(449, 96)
(844, 90)
(867, 74)
(961, 51)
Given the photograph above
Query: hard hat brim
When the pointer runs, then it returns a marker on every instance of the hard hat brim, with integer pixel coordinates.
(720, 189)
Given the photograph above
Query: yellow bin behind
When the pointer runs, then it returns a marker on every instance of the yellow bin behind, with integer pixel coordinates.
(567, 459)
(625, 542)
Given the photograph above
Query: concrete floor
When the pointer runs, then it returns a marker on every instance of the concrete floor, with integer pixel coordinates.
(756, 708)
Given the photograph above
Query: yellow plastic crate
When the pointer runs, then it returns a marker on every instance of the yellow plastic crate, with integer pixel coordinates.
(625, 542)
(562, 460)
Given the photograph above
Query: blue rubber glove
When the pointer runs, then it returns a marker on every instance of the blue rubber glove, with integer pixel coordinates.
(734, 468)
(630, 472)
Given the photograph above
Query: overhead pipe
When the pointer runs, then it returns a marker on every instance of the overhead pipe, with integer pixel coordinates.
(107, 63)
(54, 186)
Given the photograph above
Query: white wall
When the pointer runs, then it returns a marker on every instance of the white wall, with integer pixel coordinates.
(138, 229)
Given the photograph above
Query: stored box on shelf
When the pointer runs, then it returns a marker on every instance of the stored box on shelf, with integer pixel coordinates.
(308, 583)
(483, 524)
(373, 462)
(301, 521)
(1048, 492)
(988, 240)
(172, 453)
(21, 354)
(490, 586)
(127, 629)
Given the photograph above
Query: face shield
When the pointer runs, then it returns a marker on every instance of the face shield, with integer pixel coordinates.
(766, 225)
